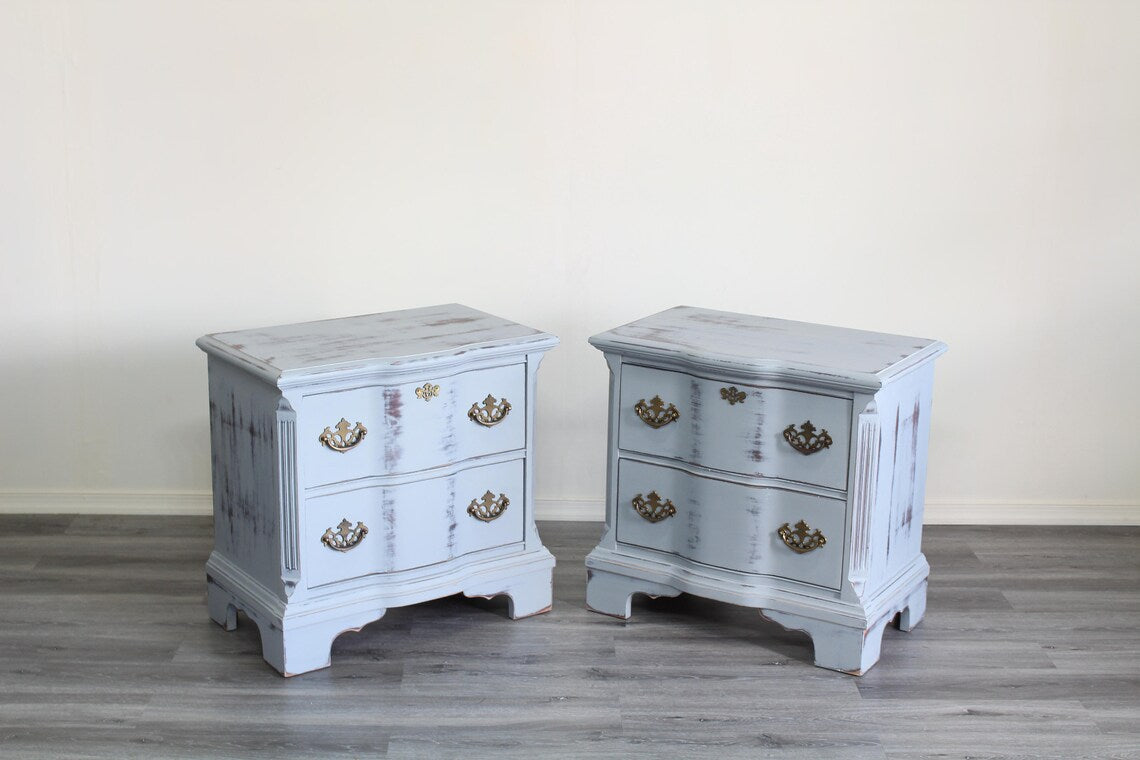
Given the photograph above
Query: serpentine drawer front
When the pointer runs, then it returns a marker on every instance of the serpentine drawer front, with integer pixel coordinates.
(413, 524)
(371, 462)
(415, 425)
(735, 427)
(772, 464)
(729, 525)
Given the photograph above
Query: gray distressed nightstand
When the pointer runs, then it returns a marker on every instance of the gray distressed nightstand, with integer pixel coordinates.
(771, 464)
(367, 463)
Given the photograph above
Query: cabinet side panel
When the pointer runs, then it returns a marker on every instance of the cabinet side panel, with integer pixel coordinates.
(904, 417)
(244, 429)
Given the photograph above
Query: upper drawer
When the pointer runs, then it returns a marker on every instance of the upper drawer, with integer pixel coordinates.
(413, 426)
(733, 526)
(736, 428)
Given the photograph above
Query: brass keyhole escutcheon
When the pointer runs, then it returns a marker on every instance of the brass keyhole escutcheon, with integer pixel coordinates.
(427, 391)
(732, 395)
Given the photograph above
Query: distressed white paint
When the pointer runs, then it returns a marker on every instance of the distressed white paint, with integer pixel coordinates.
(343, 349)
(733, 343)
(410, 480)
(408, 530)
(397, 413)
(871, 392)
(728, 522)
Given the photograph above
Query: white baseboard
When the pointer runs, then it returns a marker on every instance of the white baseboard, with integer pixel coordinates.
(570, 509)
(107, 502)
(994, 512)
(938, 511)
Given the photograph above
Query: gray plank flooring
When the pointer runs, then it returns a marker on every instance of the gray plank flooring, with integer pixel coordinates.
(1030, 649)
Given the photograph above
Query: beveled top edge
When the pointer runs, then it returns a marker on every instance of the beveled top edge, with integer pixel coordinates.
(770, 347)
(371, 343)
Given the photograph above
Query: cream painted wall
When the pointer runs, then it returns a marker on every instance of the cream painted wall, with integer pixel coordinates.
(968, 171)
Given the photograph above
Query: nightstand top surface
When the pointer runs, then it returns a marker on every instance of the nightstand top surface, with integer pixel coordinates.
(765, 345)
(373, 341)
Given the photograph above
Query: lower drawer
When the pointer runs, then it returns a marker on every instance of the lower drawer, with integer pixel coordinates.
(385, 529)
(729, 525)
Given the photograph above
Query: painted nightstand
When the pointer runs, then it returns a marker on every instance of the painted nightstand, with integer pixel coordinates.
(771, 464)
(367, 463)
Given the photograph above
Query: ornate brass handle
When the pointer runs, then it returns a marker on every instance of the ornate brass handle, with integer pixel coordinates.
(427, 391)
(801, 539)
(653, 509)
(733, 396)
(490, 413)
(488, 508)
(345, 536)
(343, 437)
(655, 414)
(806, 440)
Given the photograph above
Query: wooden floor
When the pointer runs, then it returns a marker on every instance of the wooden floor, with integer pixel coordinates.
(1030, 649)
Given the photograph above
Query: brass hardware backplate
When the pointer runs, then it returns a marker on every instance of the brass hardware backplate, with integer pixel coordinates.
(345, 536)
(733, 396)
(801, 539)
(343, 437)
(490, 413)
(488, 508)
(427, 391)
(653, 508)
(655, 414)
(806, 440)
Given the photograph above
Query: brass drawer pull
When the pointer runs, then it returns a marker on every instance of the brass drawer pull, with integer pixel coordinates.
(653, 508)
(488, 508)
(655, 414)
(343, 437)
(805, 440)
(801, 539)
(490, 413)
(427, 392)
(345, 536)
(733, 396)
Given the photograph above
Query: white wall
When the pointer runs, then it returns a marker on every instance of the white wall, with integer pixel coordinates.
(968, 171)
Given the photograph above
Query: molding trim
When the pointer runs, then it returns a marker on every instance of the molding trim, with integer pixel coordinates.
(107, 502)
(1025, 512)
(938, 511)
(589, 510)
